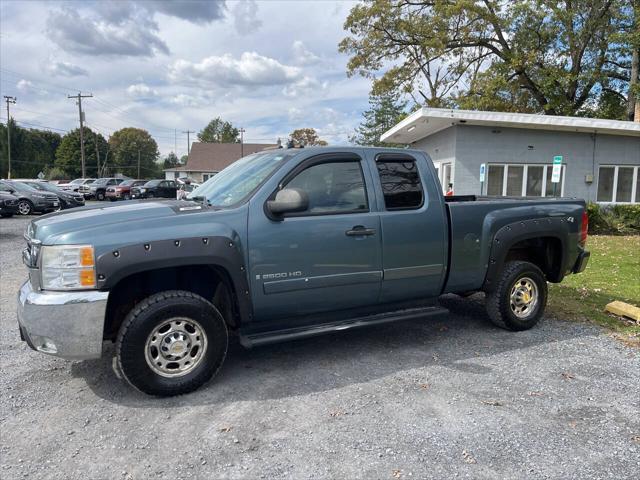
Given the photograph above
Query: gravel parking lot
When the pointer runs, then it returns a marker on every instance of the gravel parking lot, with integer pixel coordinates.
(454, 398)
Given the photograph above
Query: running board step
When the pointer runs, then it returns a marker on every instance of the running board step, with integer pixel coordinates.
(250, 340)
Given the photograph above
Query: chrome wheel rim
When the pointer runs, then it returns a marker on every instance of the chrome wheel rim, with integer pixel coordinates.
(175, 347)
(24, 208)
(524, 297)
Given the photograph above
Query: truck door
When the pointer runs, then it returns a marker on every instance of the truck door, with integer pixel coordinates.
(323, 259)
(414, 227)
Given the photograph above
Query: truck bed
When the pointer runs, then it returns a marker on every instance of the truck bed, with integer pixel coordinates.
(474, 222)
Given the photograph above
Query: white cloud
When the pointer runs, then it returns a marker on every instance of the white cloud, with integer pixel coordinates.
(251, 69)
(302, 55)
(66, 69)
(245, 17)
(305, 86)
(133, 36)
(185, 100)
(141, 90)
(24, 85)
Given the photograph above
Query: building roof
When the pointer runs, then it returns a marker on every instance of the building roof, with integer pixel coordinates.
(427, 121)
(214, 157)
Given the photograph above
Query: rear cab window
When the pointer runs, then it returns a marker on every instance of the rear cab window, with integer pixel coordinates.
(400, 181)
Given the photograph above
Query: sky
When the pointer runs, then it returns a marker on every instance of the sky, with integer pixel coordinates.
(267, 66)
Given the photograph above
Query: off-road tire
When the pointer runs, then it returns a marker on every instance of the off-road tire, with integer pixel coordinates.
(147, 315)
(498, 300)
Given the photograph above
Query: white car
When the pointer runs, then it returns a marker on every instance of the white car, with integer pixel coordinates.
(185, 189)
(73, 185)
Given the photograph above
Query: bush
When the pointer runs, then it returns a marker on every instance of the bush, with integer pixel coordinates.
(55, 173)
(613, 219)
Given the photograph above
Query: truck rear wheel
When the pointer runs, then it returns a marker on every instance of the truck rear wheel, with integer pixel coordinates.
(519, 298)
(171, 343)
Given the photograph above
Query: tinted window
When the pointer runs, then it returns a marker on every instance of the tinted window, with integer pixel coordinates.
(333, 187)
(400, 183)
(152, 183)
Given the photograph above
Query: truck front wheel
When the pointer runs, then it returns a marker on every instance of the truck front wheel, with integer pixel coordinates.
(518, 300)
(171, 343)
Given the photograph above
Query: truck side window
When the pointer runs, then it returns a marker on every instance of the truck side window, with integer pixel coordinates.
(334, 187)
(401, 185)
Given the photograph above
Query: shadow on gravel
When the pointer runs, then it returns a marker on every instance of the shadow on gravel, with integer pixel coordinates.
(335, 361)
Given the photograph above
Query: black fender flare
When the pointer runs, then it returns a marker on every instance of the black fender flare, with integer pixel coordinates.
(513, 233)
(216, 251)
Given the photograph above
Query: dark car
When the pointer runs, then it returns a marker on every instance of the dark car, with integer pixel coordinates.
(8, 204)
(31, 200)
(67, 199)
(155, 188)
(123, 191)
(98, 188)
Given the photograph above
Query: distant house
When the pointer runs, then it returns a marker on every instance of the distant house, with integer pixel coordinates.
(207, 159)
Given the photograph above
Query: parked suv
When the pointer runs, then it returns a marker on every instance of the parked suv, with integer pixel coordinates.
(155, 188)
(67, 199)
(98, 188)
(123, 191)
(73, 185)
(8, 204)
(31, 200)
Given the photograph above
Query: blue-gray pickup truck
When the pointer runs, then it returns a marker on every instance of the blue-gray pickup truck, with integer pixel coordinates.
(284, 244)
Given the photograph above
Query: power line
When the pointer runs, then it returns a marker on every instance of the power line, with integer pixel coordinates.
(40, 125)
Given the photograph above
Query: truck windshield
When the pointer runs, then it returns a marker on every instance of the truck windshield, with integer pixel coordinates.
(233, 184)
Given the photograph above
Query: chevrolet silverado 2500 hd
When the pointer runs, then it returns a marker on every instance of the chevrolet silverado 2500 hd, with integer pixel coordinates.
(284, 244)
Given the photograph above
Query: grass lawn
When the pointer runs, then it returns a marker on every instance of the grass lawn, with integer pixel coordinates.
(613, 273)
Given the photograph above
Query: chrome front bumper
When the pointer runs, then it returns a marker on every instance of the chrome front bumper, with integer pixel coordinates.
(65, 324)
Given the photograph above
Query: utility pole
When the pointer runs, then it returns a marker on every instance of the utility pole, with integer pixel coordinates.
(97, 155)
(175, 141)
(79, 98)
(9, 100)
(188, 142)
(242, 130)
(138, 163)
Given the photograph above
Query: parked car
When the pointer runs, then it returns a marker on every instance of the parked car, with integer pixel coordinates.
(286, 244)
(8, 204)
(30, 200)
(98, 188)
(73, 185)
(185, 189)
(155, 189)
(123, 191)
(67, 199)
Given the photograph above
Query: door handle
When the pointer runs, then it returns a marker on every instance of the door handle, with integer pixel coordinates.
(360, 230)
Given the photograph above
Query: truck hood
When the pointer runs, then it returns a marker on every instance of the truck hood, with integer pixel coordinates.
(89, 224)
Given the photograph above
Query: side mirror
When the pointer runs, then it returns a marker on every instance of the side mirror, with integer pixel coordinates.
(288, 200)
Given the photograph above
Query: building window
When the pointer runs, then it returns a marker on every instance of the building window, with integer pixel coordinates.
(400, 184)
(514, 180)
(619, 184)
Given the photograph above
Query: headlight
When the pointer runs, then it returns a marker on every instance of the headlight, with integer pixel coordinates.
(68, 267)
(38, 195)
(143, 189)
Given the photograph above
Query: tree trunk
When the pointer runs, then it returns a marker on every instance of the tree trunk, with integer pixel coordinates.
(633, 82)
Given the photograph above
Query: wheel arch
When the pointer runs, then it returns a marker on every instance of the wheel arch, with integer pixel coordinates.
(212, 267)
(543, 242)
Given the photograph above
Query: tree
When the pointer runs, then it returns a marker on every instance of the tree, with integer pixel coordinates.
(543, 56)
(129, 144)
(32, 151)
(384, 112)
(171, 161)
(68, 157)
(219, 131)
(306, 137)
